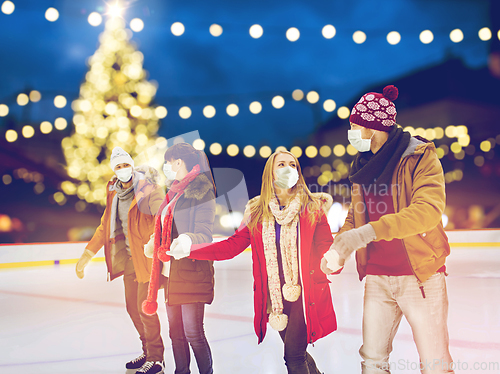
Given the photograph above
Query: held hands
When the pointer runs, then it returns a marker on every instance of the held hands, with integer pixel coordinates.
(352, 240)
(83, 262)
(149, 247)
(331, 261)
(180, 247)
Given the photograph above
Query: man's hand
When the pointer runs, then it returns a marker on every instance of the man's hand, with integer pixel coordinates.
(180, 247)
(352, 240)
(83, 262)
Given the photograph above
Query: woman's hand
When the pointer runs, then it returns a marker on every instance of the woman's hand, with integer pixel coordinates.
(331, 261)
(180, 247)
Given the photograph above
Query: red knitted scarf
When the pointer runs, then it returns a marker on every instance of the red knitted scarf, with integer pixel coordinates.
(163, 238)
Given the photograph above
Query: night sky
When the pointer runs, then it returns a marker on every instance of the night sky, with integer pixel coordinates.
(197, 69)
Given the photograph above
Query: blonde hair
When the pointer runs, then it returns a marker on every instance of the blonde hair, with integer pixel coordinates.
(259, 208)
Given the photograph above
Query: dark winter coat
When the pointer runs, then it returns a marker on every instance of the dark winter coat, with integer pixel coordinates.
(192, 281)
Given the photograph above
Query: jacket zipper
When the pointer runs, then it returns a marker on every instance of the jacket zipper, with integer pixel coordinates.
(420, 285)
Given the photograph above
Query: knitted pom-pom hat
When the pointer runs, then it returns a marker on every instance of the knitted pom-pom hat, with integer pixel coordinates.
(376, 111)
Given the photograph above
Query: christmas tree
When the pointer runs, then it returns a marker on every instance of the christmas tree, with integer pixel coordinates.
(113, 110)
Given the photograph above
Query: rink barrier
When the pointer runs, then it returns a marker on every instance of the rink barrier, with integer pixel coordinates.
(67, 253)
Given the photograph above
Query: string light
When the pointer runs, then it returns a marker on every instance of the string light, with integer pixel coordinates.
(232, 110)
(426, 36)
(278, 102)
(215, 30)
(297, 95)
(177, 29)
(484, 34)
(8, 7)
(137, 24)
(35, 96)
(215, 149)
(296, 151)
(359, 37)
(255, 107)
(249, 151)
(312, 97)
(256, 31)
(199, 144)
(328, 31)
(4, 110)
(393, 37)
(94, 19)
(233, 150)
(52, 14)
(293, 34)
(209, 111)
(185, 112)
(329, 105)
(456, 36)
(265, 151)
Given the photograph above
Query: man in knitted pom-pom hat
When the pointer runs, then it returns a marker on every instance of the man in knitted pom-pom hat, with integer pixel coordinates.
(394, 225)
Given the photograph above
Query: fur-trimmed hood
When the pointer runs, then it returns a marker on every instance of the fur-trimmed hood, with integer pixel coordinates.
(198, 187)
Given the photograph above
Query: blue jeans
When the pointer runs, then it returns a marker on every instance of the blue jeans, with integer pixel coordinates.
(186, 326)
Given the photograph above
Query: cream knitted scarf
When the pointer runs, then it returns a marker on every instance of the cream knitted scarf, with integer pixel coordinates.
(288, 218)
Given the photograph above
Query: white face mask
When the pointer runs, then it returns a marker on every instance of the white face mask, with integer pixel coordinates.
(286, 177)
(169, 173)
(124, 174)
(361, 145)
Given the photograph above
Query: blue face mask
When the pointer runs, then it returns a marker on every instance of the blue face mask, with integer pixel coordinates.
(361, 145)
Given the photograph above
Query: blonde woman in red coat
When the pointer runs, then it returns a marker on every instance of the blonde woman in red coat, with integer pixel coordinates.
(287, 228)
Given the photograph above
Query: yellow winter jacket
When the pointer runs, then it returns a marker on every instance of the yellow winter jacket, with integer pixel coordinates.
(418, 191)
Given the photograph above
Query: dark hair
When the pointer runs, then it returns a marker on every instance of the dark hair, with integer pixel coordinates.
(191, 157)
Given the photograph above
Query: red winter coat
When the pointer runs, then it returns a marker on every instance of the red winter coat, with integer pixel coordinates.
(314, 241)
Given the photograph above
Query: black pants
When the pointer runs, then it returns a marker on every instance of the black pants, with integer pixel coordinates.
(294, 336)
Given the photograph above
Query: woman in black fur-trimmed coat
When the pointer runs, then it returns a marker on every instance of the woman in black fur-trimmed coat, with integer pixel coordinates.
(186, 216)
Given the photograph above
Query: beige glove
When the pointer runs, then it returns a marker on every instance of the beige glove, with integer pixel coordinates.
(83, 261)
(149, 247)
(352, 240)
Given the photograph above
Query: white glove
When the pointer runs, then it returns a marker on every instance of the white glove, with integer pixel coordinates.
(333, 260)
(83, 262)
(149, 247)
(352, 240)
(180, 247)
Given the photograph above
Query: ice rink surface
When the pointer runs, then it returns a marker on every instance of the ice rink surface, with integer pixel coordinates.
(53, 322)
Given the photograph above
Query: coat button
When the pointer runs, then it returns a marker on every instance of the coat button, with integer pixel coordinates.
(312, 272)
(311, 304)
(313, 333)
(424, 234)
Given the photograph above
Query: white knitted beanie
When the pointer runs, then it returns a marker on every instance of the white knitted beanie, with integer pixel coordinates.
(119, 156)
